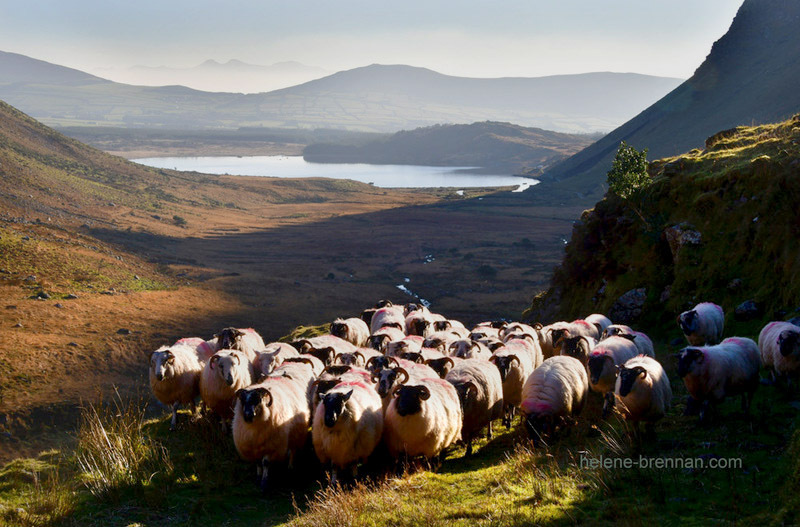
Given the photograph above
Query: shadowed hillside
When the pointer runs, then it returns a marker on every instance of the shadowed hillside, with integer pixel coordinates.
(750, 76)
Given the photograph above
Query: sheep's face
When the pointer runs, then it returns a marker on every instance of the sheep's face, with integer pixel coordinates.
(462, 348)
(596, 365)
(504, 363)
(788, 342)
(326, 355)
(408, 399)
(688, 360)
(410, 308)
(378, 342)
(323, 386)
(339, 329)
(442, 325)
(386, 381)
(367, 314)
(334, 404)
(413, 356)
(163, 364)
(254, 402)
(557, 335)
(441, 366)
(576, 347)
(383, 303)
(346, 359)
(268, 361)
(628, 377)
(397, 348)
(467, 393)
(228, 338)
(688, 322)
(378, 363)
(493, 344)
(225, 366)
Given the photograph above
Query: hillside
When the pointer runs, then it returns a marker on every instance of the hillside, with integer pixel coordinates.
(373, 98)
(499, 146)
(749, 77)
(722, 225)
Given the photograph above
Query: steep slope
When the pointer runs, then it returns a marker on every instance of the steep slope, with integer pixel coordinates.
(750, 76)
(373, 98)
(720, 225)
(499, 146)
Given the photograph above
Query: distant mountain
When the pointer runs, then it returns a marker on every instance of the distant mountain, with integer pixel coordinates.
(373, 98)
(501, 146)
(751, 76)
(233, 76)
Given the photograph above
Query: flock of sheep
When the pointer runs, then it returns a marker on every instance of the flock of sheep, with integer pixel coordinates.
(418, 382)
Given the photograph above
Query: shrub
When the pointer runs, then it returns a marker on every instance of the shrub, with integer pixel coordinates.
(628, 171)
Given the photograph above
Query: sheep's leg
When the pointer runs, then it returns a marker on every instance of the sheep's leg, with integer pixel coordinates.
(469, 448)
(705, 410)
(174, 421)
(264, 474)
(489, 434)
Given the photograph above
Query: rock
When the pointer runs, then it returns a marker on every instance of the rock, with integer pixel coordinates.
(747, 310)
(123, 331)
(681, 235)
(71, 296)
(665, 294)
(795, 321)
(42, 295)
(18, 325)
(59, 306)
(72, 344)
(26, 238)
(735, 284)
(136, 277)
(628, 307)
(30, 278)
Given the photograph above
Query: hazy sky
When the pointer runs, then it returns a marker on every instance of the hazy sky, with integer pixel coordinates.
(458, 37)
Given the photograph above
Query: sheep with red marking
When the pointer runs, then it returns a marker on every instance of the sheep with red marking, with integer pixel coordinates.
(272, 357)
(324, 347)
(480, 391)
(175, 377)
(703, 324)
(389, 316)
(245, 340)
(468, 349)
(577, 348)
(641, 340)
(353, 330)
(348, 425)
(382, 337)
(422, 419)
(604, 359)
(225, 373)
(601, 322)
(400, 372)
(554, 392)
(333, 375)
(642, 392)
(727, 369)
(779, 343)
(270, 423)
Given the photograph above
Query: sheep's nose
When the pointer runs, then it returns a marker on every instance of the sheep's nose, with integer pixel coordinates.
(160, 376)
(229, 380)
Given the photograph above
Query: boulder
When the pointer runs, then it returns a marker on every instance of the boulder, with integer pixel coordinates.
(680, 236)
(748, 310)
(628, 307)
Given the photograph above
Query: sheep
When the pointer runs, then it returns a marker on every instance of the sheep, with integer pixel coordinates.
(324, 347)
(418, 322)
(703, 324)
(316, 366)
(380, 338)
(353, 330)
(554, 391)
(514, 368)
(493, 343)
(411, 307)
(643, 391)
(604, 359)
(245, 340)
(226, 372)
(451, 325)
(712, 373)
(545, 337)
(779, 343)
(482, 332)
(272, 357)
(578, 348)
(422, 419)
(390, 316)
(303, 371)
(270, 423)
(424, 354)
(641, 340)
(440, 340)
(400, 372)
(601, 322)
(443, 365)
(468, 349)
(396, 348)
(480, 391)
(576, 328)
(175, 377)
(517, 328)
(348, 425)
(359, 357)
(525, 346)
(333, 375)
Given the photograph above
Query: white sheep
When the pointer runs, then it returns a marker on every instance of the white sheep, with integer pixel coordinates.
(601, 322)
(576, 328)
(451, 325)
(518, 328)
(556, 390)
(245, 340)
(270, 423)
(703, 324)
(423, 419)
(641, 340)
(409, 344)
(443, 365)
(483, 332)
(779, 343)
(175, 377)
(383, 336)
(515, 362)
(353, 330)
(389, 316)
(545, 336)
(226, 372)
(271, 357)
(324, 347)
(480, 391)
(712, 373)
(359, 357)
(333, 375)
(577, 347)
(303, 371)
(604, 359)
(643, 392)
(400, 372)
(348, 425)
(418, 322)
(468, 349)
(440, 340)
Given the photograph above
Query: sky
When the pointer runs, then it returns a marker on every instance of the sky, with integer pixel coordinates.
(459, 37)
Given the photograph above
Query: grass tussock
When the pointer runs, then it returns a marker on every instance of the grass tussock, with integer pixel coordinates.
(114, 451)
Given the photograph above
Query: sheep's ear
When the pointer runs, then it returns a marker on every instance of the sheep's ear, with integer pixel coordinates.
(493, 359)
(471, 387)
(346, 396)
(641, 372)
(538, 326)
(238, 359)
(213, 362)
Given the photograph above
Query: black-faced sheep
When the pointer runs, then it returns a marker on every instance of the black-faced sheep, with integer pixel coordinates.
(324, 347)
(400, 372)
(353, 330)
(396, 348)
(440, 340)
(641, 340)
(576, 328)
(555, 391)
(577, 348)
(245, 340)
(703, 324)
(604, 359)
(642, 391)
(303, 371)
(423, 419)
(712, 373)
(480, 391)
(333, 375)
(175, 377)
(390, 316)
(468, 349)
(443, 365)
(359, 357)
(225, 373)
(779, 343)
(382, 337)
(348, 425)
(270, 423)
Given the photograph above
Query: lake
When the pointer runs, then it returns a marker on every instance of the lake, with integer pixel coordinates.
(385, 176)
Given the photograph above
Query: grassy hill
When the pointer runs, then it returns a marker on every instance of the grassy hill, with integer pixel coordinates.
(749, 77)
(374, 98)
(500, 146)
(739, 193)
